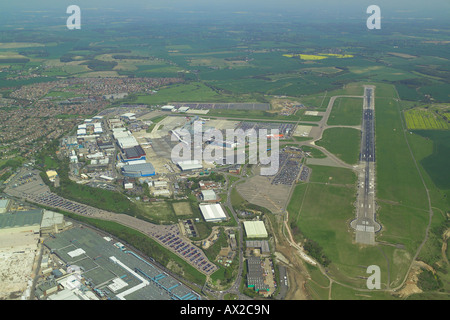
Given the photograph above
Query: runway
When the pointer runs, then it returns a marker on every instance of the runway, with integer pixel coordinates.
(364, 223)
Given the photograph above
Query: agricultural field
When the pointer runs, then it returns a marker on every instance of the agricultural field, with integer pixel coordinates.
(425, 119)
(318, 56)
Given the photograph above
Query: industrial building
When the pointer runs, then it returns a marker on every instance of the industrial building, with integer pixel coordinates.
(128, 116)
(261, 245)
(167, 108)
(209, 195)
(190, 165)
(134, 153)
(52, 175)
(127, 142)
(53, 222)
(183, 109)
(138, 170)
(212, 212)
(4, 205)
(21, 222)
(255, 275)
(255, 229)
(107, 269)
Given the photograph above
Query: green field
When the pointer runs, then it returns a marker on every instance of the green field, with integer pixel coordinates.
(346, 112)
(332, 175)
(343, 142)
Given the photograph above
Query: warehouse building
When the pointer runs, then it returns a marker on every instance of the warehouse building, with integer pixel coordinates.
(255, 229)
(183, 109)
(53, 222)
(21, 222)
(255, 275)
(190, 165)
(4, 206)
(128, 116)
(209, 195)
(52, 175)
(138, 170)
(127, 142)
(134, 153)
(261, 245)
(109, 270)
(167, 108)
(212, 212)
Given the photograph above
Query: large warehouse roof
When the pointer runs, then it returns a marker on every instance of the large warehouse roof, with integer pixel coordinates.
(134, 152)
(138, 170)
(21, 219)
(127, 142)
(190, 165)
(255, 229)
(209, 195)
(212, 212)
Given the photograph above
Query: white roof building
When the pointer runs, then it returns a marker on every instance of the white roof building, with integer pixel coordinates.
(127, 142)
(121, 134)
(190, 165)
(167, 108)
(255, 229)
(183, 109)
(129, 116)
(209, 195)
(212, 212)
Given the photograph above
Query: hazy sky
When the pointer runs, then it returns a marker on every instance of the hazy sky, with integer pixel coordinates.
(324, 10)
